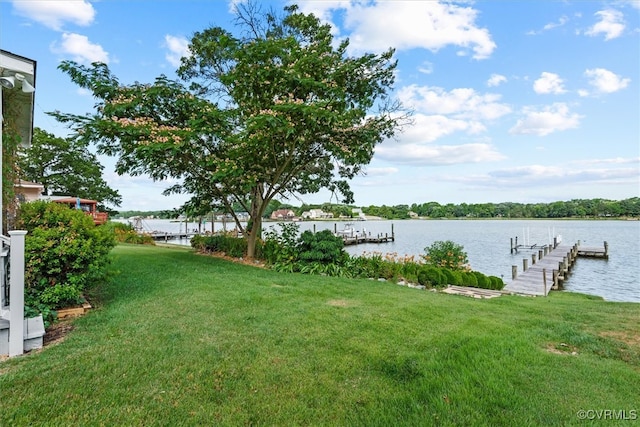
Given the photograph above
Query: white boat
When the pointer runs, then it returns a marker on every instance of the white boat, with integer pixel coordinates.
(350, 232)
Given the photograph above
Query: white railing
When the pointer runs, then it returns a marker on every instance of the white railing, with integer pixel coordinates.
(12, 302)
(5, 243)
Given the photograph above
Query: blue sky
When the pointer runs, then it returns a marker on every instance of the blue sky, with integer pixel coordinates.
(523, 101)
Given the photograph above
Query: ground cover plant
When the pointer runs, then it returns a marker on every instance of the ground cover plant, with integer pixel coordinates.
(179, 338)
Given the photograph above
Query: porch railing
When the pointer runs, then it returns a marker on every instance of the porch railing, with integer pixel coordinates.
(5, 286)
(12, 292)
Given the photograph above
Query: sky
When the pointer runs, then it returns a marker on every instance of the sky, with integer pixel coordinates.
(513, 101)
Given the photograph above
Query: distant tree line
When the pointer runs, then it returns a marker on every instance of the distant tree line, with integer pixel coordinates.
(577, 208)
(166, 214)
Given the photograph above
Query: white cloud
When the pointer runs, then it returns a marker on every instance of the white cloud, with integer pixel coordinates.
(417, 154)
(54, 14)
(426, 67)
(496, 80)
(633, 3)
(550, 26)
(178, 47)
(613, 160)
(381, 171)
(563, 175)
(461, 103)
(84, 92)
(429, 128)
(611, 24)
(550, 119)
(548, 83)
(605, 81)
(80, 49)
(545, 175)
(563, 20)
(376, 26)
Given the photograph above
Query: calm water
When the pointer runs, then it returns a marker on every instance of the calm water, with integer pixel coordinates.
(487, 244)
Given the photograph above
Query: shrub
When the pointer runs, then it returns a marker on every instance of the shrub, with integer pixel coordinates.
(469, 279)
(64, 254)
(431, 276)
(230, 245)
(124, 233)
(322, 247)
(454, 277)
(359, 266)
(371, 265)
(446, 254)
(483, 281)
(496, 283)
(280, 246)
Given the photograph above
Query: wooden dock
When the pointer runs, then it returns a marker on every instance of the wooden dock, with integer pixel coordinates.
(350, 236)
(166, 236)
(357, 240)
(550, 267)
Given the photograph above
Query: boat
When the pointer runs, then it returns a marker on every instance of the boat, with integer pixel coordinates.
(349, 232)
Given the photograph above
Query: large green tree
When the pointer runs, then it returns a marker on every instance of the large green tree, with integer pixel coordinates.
(65, 166)
(277, 110)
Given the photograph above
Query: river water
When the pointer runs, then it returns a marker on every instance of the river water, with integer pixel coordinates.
(487, 244)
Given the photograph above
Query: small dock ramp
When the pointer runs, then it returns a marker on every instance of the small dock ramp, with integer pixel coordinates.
(471, 292)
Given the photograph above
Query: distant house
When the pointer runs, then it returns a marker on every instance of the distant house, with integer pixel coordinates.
(359, 213)
(27, 191)
(283, 214)
(316, 214)
(413, 215)
(243, 216)
(89, 207)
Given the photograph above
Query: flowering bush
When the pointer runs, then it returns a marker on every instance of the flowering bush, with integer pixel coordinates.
(446, 254)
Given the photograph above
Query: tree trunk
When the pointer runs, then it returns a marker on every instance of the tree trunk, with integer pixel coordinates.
(253, 236)
(254, 231)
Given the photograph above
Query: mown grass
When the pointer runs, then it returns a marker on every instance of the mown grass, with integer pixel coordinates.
(183, 339)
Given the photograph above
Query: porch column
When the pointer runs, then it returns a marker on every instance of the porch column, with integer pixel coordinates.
(16, 293)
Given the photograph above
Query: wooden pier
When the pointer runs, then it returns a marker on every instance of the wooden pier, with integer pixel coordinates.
(352, 237)
(357, 240)
(550, 267)
(166, 236)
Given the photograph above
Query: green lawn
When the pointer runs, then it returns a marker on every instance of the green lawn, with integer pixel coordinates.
(184, 339)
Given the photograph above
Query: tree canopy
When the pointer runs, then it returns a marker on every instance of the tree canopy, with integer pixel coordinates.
(277, 110)
(65, 166)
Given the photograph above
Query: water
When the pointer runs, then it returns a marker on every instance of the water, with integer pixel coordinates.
(487, 243)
